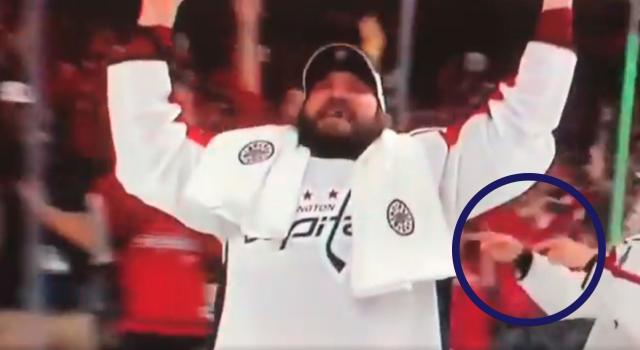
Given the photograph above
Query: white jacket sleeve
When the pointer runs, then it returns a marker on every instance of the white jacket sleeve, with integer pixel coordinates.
(513, 132)
(154, 156)
(555, 287)
(622, 297)
(623, 307)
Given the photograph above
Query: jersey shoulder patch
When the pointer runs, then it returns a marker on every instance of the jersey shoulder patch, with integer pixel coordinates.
(256, 152)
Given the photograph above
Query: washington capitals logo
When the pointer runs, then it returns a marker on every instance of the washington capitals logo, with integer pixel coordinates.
(256, 152)
(400, 218)
(326, 220)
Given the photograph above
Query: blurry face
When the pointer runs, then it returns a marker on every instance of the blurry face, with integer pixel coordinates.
(342, 106)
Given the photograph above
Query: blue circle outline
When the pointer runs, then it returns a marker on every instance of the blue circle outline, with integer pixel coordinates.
(529, 322)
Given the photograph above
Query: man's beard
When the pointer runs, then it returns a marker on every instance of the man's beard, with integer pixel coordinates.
(329, 146)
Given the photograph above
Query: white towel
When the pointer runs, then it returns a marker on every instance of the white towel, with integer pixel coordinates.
(400, 233)
(394, 185)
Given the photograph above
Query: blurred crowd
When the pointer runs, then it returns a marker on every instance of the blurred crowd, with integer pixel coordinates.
(97, 264)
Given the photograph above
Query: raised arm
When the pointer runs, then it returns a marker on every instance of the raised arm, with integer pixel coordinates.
(154, 153)
(513, 132)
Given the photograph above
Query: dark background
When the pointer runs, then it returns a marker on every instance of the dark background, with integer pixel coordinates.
(444, 30)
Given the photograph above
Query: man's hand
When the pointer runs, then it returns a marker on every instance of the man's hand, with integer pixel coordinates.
(372, 37)
(556, 4)
(156, 40)
(500, 247)
(565, 251)
(158, 13)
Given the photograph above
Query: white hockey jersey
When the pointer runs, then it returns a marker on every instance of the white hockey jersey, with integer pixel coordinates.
(296, 295)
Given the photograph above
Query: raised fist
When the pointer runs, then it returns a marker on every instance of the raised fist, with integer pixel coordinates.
(158, 13)
(372, 37)
(556, 4)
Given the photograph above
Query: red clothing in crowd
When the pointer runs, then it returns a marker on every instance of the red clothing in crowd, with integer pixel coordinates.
(511, 299)
(161, 266)
(471, 328)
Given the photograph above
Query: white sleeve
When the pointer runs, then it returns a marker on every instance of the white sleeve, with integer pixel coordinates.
(555, 287)
(512, 135)
(622, 305)
(154, 156)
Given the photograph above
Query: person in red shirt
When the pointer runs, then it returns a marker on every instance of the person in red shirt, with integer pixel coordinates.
(162, 265)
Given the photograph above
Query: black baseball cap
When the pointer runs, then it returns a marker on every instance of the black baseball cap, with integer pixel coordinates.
(346, 58)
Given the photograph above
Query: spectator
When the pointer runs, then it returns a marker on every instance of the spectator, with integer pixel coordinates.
(60, 267)
(162, 266)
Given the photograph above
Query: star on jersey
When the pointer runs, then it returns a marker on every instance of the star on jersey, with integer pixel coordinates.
(307, 195)
(324, 220)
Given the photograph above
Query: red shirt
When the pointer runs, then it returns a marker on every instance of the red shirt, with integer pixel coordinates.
(471, 328)
(161, 267)
(511, 299)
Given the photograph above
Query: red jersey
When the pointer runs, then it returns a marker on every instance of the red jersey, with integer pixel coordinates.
(161, 267)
